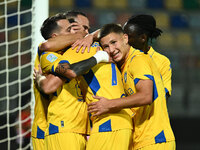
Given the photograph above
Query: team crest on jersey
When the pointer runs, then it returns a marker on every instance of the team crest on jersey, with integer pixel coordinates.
(130, 91)
(51, 57)
(125, 77)
(95, 44)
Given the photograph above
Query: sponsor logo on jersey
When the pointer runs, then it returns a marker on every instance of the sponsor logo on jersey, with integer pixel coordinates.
(129, 91)
(95, 44)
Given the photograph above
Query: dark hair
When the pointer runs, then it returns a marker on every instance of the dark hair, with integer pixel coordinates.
(144, 24)
(110, 28)
(50, 25)
(73, 13)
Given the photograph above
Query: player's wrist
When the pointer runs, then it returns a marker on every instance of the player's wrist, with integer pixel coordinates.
(40, 78)
(101, 56)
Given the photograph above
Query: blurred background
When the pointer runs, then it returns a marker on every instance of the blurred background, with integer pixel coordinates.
(180, 42)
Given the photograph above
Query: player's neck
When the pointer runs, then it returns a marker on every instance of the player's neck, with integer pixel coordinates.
(124, 59)
(145, 48)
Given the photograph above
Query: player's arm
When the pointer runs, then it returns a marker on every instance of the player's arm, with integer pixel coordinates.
(70, 71)
(51, 83)
(47, 84)
(60, 42)
(143, 97)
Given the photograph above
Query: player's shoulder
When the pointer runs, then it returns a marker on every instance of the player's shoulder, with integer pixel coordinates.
(50, 54)
(139, 59)
(161, 57)
(140, 55)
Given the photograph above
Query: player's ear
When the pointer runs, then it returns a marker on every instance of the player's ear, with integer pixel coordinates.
(125, 36)
(54, 35)
(143, 38)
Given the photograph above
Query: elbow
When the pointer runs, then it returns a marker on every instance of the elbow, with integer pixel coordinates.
(71, 74)
(71, 77)
(47, 91)
(148, 99)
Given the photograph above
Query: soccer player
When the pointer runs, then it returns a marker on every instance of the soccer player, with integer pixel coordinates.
(69, 122)
(41, 104)
(141, 29)
(42, 100)
(104, 80)
(145, 92)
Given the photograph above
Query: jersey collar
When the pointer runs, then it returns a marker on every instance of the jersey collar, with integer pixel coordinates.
(130, 53)
(151, 51)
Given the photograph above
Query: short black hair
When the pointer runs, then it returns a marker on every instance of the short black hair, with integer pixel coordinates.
(74, 13)
(144, 24)
(110, 28)
(50, 25)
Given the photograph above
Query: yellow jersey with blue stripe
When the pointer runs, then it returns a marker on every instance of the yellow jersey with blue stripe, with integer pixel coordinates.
(67, 111)
(164, 67)
(40, 111)
(104, 79)
(151, 122)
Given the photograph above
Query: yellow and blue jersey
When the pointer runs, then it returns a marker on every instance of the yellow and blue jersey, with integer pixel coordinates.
(164, 67)
(104, 79)
(151, 122)
(67, 111)
(40, 111)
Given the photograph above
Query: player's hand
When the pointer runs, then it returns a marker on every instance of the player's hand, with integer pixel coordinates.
(37, 73)
(84, 43)
(74, 27)
(34, 73)
(100, 107)
(110, 58)
(40, 69)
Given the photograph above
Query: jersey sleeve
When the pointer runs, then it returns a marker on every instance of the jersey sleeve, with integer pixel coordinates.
(166, 72)
(50, 60)
(140, 69)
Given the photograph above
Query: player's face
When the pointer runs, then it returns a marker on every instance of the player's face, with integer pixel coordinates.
(80, 24)
(116, 46)
(64, 27)
(84, 22)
